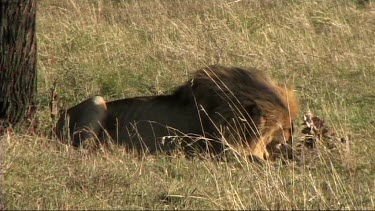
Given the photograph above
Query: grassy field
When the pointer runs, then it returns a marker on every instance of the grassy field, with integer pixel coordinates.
(125, 48)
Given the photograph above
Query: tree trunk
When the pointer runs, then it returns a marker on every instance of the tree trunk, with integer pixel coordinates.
(17, 61)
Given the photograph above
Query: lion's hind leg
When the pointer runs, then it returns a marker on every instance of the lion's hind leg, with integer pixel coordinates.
(82, 121)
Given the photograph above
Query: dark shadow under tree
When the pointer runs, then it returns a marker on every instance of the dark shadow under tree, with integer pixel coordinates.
(17, 61)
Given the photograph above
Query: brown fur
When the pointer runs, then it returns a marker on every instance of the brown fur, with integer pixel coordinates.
(229, 106)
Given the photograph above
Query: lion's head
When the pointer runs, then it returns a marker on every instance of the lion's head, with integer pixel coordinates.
(243, 104)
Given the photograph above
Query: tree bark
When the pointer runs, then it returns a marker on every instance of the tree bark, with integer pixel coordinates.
(18, 58)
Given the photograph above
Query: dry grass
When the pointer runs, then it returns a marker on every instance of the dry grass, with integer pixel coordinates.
(126, 48)
(47, 175)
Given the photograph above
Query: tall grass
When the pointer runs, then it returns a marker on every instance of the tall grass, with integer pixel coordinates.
(127, 48)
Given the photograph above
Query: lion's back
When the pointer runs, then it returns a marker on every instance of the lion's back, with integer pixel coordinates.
(146, 121)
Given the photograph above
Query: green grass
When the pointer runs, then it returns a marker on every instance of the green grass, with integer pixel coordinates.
(128, 48)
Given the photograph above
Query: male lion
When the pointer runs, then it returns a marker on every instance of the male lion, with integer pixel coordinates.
(218, 108)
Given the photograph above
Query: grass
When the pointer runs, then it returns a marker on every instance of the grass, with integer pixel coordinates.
(127, 48)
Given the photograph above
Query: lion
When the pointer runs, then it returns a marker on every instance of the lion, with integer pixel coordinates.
(218, 108)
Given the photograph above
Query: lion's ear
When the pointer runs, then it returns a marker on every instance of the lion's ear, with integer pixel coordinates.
(254, 110)
(254, 114)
